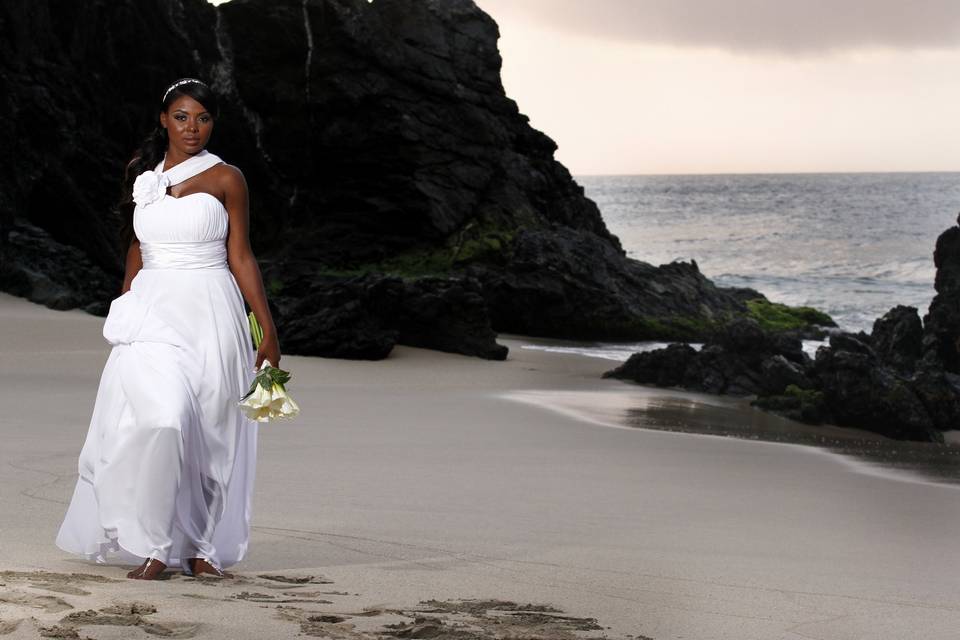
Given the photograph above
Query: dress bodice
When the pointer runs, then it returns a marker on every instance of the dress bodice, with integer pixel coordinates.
(188, 232)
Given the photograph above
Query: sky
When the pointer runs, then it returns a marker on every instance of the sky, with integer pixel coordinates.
(737, 86)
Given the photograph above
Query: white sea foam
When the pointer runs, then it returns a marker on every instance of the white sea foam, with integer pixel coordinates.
(621, 351)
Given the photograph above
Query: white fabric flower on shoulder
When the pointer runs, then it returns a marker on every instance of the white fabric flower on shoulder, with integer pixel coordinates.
(150, 187)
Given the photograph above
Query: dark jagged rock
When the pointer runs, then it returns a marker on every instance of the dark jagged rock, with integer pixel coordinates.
(897, 337)
(33, 265)
(561, 282)
(796, 403)
(939, 391)
(376, 138)
(899, 380)
(941, 324)
(363, 317)
(740, 359)
(465, 327)
(778, 373)
(753, 345)
(859, 391)
(673, 366)
(337, 318)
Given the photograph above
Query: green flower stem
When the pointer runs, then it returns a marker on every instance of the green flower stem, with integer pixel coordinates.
(269, 375)
(255, 330)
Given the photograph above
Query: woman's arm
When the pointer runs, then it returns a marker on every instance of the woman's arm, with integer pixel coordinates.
(134, 264)
(244, 265)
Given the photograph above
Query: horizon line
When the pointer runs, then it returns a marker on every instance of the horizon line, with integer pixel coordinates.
(761, 173)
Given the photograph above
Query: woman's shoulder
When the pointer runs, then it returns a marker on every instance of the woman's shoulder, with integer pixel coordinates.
(226, 170)
(229, 177)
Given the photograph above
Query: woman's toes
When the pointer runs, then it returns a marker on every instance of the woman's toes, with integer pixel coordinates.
(199, 566)
(152, 570)
(149, 570)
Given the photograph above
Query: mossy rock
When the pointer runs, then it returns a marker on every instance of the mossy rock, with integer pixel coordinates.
(774, 316)
(477, 241)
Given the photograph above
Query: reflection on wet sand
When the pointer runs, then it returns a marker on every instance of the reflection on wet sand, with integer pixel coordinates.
(681, 411)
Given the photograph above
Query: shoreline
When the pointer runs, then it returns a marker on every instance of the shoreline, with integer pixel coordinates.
(636, 406)
(863, 451)
(410, 488)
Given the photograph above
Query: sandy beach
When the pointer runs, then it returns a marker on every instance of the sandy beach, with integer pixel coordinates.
(432, 493)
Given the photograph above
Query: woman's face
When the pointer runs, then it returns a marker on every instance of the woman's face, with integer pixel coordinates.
(188, 125)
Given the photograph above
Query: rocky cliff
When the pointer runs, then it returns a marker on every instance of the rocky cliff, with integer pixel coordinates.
(397, 193)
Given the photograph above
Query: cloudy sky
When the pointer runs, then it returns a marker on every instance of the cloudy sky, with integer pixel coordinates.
(715, 86)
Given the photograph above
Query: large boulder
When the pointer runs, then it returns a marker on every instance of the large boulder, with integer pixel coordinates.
(860, 392)
(897, 337)
(561, 282)
(364, 316)
(739, 359)
(941, 324)
(676, 365)
(36, 266)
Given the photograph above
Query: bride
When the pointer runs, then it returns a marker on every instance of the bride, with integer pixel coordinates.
(166, 471)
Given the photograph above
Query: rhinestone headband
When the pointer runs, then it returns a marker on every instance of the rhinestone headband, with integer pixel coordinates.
(180, 82)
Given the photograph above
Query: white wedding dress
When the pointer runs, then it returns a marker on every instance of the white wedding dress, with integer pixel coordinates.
(167, 468)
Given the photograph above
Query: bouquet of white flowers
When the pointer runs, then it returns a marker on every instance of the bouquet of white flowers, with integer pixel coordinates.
(267, 398)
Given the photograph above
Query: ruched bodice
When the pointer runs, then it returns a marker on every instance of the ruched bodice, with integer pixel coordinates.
(189, 232)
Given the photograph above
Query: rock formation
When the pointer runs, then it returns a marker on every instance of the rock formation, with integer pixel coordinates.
(900, 380)
(397, 193)
(941, 339)
(739, 359)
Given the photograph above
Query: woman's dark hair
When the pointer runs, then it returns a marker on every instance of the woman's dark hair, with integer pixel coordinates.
(154, 146)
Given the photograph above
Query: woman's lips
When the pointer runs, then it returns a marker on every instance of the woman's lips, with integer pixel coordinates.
(191, 140)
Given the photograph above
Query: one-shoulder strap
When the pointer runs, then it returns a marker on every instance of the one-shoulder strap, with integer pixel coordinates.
(188, 168)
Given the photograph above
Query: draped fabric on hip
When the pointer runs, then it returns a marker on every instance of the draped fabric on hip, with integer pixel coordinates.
(167, 467)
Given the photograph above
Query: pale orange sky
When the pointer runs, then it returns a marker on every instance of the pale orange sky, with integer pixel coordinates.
(711, 86)
(621, 104)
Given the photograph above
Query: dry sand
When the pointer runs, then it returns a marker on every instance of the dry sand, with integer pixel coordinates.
(431, 490)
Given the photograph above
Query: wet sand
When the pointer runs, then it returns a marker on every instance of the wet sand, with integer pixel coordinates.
(424, 490)
(645, 407)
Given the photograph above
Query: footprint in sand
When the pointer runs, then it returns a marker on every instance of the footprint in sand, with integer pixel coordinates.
(9, 626)
(266, 597)
(463, 619)
(49, 604)
(130, 614)
(56, 632)
(66, 583)
(287, 580)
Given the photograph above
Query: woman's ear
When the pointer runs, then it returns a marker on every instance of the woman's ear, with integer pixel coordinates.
(163, 119)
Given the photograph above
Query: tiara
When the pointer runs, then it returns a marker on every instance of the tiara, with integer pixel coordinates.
(178, 83)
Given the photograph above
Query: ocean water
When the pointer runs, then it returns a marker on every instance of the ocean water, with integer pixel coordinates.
(853, 245)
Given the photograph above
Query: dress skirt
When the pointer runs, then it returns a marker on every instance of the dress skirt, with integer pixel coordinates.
(167, 467)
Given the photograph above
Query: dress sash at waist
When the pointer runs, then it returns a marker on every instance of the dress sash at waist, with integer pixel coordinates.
(202, 254)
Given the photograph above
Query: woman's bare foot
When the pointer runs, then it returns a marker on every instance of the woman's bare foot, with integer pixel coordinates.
(200, 565)
(149, 570)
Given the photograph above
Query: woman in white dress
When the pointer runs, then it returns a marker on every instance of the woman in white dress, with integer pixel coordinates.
(166, 472)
